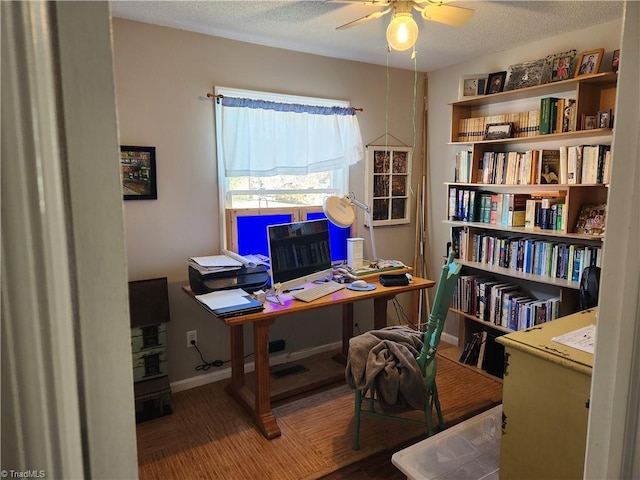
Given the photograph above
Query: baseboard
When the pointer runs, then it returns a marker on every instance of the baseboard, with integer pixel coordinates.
(447, 337)
(225, 373)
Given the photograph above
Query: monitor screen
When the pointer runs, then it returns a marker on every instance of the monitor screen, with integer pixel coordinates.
(299, 252)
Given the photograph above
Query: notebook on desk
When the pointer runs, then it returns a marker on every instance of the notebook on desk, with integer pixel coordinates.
(229, 303)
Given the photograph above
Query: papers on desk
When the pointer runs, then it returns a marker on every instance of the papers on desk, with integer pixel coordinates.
(224, 298)
(583, 339)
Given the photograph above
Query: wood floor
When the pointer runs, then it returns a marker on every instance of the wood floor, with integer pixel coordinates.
(210, 436)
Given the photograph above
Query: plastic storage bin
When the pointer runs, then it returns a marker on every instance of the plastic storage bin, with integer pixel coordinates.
(469, 450)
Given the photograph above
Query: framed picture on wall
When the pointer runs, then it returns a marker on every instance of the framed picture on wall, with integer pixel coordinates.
(388, 183)
(138, 172)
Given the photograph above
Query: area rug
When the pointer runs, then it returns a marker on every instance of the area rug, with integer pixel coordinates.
(210, 436)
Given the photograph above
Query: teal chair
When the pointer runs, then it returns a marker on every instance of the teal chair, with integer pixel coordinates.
(366, 399)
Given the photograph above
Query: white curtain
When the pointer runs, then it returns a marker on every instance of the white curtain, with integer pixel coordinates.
(262, 138)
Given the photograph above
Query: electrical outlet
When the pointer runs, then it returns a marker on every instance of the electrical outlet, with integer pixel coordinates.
(192, 335)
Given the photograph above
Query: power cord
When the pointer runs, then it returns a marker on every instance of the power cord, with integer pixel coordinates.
(205, 365)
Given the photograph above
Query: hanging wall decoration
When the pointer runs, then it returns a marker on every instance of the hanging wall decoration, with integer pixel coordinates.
(138, 172)
(389, 183)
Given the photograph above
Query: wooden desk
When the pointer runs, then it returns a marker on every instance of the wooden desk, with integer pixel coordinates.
(258, 403)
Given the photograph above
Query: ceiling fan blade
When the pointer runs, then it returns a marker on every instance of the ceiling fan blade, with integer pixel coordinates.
(371, 16)
(447, 14)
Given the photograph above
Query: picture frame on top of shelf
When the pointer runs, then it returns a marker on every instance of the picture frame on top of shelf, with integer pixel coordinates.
(615, 61)
(472, 85)
(589, 62)
(498, 131)
(526, 74)
(495, 82)
(560, 66)
(138, 172)
(388, 184)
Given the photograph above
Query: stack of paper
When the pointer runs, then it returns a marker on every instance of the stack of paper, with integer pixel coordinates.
(228, 260)
(214, 263)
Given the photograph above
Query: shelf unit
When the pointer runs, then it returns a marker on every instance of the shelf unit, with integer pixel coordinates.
(592, 93)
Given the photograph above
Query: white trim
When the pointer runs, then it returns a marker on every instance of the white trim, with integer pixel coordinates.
(613, 417)
(225, 373)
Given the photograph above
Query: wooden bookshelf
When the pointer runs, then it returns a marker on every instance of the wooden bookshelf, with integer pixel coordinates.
(592, 94)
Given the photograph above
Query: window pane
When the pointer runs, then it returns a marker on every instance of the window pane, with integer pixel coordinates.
(252, 232)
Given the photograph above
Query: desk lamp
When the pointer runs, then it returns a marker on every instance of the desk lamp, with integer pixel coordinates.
(339, 211)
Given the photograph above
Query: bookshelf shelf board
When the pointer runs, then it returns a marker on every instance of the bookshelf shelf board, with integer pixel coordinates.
(529, 233)
(596, 135)
(507, 272)
(482, 322)
(540, 90)
(534, 187)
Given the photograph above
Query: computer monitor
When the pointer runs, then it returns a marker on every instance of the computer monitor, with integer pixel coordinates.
(299, 252)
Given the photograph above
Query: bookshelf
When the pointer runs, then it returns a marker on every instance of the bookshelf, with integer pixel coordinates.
(495, 245)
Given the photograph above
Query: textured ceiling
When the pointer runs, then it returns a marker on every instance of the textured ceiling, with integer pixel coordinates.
(310, 26)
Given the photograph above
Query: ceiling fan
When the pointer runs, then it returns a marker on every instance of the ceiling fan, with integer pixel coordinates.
(402, 32)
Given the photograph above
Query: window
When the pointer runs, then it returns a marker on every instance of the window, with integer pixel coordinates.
(276, 164)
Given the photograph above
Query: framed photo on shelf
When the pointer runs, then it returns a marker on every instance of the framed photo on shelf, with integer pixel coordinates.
(589, 62)
(526, 74)
(138, 172)
(592, 219)
(472, 85)
(560, 66)
(604, 119)
(388, 183)
(496, 131)
(495, 82)
(589, 122)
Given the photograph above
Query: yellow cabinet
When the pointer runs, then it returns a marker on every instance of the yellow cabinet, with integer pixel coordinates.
(545, 401)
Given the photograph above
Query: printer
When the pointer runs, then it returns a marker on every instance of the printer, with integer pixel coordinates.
(248, 278)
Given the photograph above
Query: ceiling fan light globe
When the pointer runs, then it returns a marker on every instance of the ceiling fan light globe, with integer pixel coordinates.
(402, 32)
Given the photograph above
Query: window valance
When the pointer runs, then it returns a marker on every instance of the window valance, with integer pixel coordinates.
(264, 138)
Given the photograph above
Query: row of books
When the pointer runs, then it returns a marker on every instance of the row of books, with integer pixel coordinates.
(528, 255)
(525, 124)
(557, 115)
(567, 165)
(542, 210)
(482, 351)
(502, 303)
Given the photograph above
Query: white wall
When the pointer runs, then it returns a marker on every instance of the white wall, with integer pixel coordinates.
(162, 77)
(443, 89)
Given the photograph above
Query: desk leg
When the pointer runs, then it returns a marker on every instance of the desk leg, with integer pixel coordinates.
(347, 332)
(380, 312)
(236, 333)
(263, 413)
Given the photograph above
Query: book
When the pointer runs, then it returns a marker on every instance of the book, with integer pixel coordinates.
(453, 203)
(549, 167)
(517, 209)
(564, 165)
(574, 165)
(591, 220)
(483, 346)
(547, 115)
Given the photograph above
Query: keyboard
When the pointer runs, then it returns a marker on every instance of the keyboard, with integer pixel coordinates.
(317, 291)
